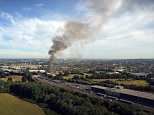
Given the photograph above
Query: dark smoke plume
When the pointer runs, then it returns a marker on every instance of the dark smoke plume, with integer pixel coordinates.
(75, 31)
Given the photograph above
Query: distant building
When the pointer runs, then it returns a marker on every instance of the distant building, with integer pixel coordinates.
(36, 71)
(140, 75)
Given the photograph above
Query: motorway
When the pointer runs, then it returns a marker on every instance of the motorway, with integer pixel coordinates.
(81, 88)
(74, 87)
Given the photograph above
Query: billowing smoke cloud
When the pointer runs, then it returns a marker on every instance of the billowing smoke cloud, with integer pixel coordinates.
(99, 10)
(74, 31)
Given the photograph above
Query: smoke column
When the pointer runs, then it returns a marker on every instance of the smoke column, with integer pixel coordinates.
(74, 31)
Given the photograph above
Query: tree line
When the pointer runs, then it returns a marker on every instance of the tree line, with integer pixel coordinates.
(71, 103)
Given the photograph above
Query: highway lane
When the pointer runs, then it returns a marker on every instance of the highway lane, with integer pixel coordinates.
(84, 89)
(74, 87)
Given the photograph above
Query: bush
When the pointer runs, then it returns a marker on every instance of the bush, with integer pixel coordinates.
(70, 103)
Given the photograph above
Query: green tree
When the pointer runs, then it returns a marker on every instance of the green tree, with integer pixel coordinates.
(10, 79)
(27, 75)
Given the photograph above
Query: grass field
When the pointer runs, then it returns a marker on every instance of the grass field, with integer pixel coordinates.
(68, 77)
(14, 78)
(132, 82)
(11, 105)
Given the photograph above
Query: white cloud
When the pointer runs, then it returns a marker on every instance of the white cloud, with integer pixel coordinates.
(29, 35)
(129, 35)
(27, 9)
(8, 53)
(8, 17)
(39, 4)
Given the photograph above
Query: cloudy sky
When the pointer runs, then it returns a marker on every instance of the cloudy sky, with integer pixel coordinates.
(28, 26)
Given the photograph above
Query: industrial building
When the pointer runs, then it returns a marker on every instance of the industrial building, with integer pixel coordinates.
(143, 98)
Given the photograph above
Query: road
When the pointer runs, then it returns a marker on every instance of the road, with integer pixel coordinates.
(74, 87)
(81, 88)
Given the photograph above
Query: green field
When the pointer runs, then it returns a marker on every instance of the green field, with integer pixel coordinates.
(142, 83)
(14, 78)
(11, 105)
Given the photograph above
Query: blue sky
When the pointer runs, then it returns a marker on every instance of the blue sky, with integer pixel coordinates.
(28, 26)
(38, 8)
